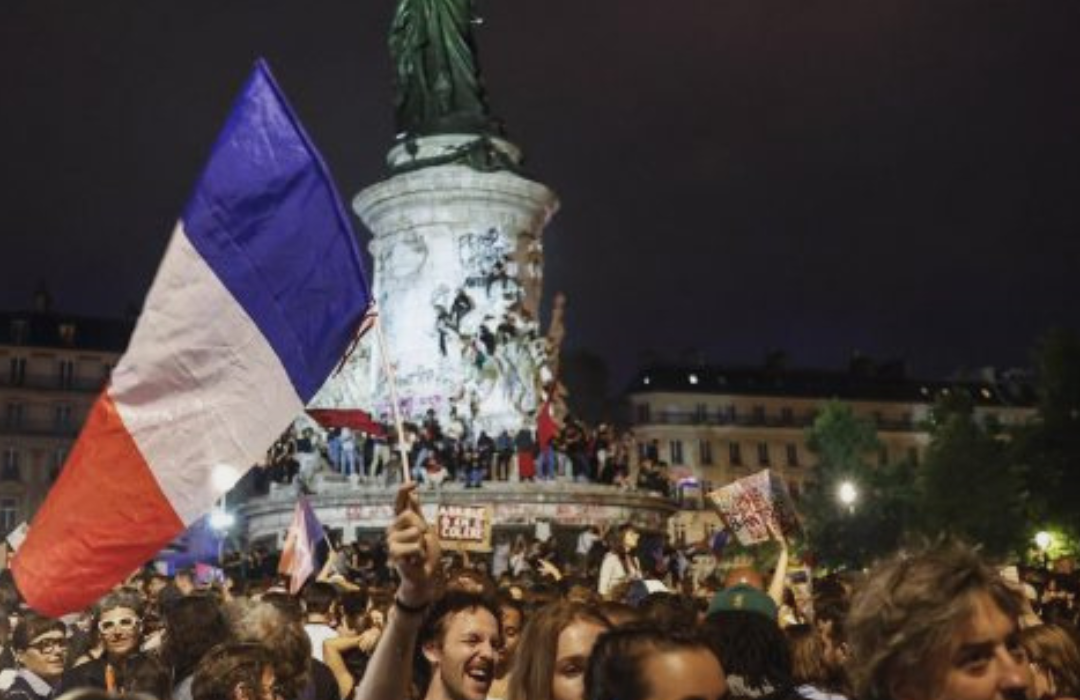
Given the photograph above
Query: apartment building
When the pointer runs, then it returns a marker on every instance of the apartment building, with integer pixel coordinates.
(52, 367)
(714, 425)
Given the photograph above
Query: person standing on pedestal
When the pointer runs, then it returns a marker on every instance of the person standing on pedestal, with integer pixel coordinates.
(526, 451)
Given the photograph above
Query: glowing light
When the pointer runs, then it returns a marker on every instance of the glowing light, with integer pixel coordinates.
(1043, 539)
(847, 493)
(693, 379)
(222, 520)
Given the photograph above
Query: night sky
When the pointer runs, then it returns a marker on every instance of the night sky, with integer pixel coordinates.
(895, 177)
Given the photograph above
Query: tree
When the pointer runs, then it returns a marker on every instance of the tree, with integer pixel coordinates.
(851, 536)
(1050, 447)
(969, 485)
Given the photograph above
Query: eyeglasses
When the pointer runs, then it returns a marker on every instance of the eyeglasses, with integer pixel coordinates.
(49, 645)
(124, 624)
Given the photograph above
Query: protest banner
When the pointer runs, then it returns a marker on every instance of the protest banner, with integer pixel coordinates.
(755, 506)
(464, 528)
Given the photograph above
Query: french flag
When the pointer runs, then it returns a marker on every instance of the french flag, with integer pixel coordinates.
(258, 296)
(298, 558)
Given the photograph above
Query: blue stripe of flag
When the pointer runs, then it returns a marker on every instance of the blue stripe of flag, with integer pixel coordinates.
(266, 217)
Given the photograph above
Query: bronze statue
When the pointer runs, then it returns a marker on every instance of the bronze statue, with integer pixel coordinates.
(438, 87)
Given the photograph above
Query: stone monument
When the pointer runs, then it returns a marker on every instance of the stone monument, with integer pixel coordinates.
(457, 247)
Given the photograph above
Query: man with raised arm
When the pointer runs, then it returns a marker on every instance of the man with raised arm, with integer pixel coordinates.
(458, 633)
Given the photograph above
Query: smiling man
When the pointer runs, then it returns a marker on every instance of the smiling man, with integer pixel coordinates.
(460, 642)
(40, 645)
(937, 624)
(455, 636)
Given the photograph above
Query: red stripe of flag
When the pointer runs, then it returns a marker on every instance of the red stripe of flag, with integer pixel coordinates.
(133, 533)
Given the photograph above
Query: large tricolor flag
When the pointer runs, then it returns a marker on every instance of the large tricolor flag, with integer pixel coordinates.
(301, 542)
(260, 292)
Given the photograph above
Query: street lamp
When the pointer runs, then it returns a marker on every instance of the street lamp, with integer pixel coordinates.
(1043, 539)
(222, 520)
(848, 494)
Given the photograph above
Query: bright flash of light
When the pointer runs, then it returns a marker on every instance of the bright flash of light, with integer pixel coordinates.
(847, 493)
(222, 520)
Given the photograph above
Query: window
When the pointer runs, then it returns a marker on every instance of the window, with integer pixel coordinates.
(643, 413)
(759, 414)
(56, 463)
(735, 453)
(19, 331)
(680, 531)
(701, 413)
(913, 456)
(9, 470)
(675, 450)
(13, 416)
(705, 452)
(792, 452)
(66, 369)
(67, 333)
(883, 456)
(763, 454)
(62, 415)
(787, 415)
(879, 419)
(9, 514)
(17, 371)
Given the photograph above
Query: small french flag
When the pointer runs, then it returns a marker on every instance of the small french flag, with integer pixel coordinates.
(259, 294)
(301, 545)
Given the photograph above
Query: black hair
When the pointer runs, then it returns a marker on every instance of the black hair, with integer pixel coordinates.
(752, 647)
(319, 597)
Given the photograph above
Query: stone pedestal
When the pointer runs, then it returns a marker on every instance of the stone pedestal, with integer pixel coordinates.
(457, 276)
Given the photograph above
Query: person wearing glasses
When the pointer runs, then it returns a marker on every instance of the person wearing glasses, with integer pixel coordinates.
(118, 620)
(40, 645)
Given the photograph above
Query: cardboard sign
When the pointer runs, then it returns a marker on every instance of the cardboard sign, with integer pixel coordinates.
(754, 504)
(464, 527)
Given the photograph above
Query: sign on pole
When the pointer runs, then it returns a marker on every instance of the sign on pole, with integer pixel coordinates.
(755, 506)
(465, 527)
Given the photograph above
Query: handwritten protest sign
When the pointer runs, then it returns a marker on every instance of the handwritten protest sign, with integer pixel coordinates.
(464, 527)
(752, 504)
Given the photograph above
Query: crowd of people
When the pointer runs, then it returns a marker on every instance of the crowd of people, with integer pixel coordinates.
(454, 453)
(936, 623)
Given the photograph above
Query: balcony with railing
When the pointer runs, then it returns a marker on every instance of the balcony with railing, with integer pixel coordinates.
(53, 382)
(40, 428)
(757, 420)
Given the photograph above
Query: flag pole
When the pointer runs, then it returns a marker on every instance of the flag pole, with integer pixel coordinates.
(392, 380)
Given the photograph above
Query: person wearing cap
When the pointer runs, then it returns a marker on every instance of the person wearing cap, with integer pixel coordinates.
(40, 644)
(741, 627)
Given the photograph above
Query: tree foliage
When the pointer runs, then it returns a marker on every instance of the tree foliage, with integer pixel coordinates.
(969, 485)
(1049, 448)
(851, 537)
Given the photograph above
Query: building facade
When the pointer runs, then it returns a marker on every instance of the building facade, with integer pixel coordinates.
(52, 367)
(713, 425)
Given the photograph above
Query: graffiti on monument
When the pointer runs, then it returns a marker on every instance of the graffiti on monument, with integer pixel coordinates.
(398, 265)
